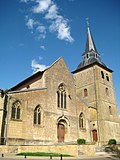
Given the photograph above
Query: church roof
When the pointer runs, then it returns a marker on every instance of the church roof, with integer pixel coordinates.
(37, 75)
(90, 45)
(34, 76)
(92, 64)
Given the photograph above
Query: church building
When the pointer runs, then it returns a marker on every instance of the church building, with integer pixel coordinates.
(56, 106)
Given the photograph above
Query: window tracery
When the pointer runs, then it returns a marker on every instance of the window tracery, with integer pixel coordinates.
(16, 110)
(61, 96)
(37, 115)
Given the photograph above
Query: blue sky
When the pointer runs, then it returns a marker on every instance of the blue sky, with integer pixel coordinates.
(34, 33)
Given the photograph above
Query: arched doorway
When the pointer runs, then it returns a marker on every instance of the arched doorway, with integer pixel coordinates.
(94, 133)
(61, 130)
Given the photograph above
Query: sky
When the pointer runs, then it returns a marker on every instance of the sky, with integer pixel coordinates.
(35, 33)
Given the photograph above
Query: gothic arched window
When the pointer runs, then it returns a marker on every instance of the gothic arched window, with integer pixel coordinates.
(61, 96)
(37, 115)
(15, 112)
(81, 120)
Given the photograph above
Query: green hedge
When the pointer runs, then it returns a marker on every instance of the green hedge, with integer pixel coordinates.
(112, 141)
(81, 141)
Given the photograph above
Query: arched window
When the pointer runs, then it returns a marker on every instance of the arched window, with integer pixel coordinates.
(85, 92)
(37, 115)
(110, 110)
(61, 96)
(107, 92)
(81, 120)
(107, 77)
(15, 112)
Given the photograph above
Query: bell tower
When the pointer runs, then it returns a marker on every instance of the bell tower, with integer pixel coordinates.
(94, 85)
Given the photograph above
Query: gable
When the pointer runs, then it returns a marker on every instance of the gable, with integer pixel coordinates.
(59, 71)
(38, 80)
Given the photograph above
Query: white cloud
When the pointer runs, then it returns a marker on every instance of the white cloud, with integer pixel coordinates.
(36, 28)
(52, 12)
(42, 47)
(41, 29)
(41, 36)
(42, 5)
(37, 67)
(61, 27)
(25, 1)
(57, 23)
(41, 32)
(30, 22)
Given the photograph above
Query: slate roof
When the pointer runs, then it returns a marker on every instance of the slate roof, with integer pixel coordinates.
(91, 55)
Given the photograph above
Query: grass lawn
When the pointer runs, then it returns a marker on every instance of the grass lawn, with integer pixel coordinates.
(42, 154)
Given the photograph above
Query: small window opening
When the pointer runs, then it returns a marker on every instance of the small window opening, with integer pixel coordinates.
(85, 92)
(107, 92)
(102, 74)
(107, 77)
(28, 86)
(110, 110)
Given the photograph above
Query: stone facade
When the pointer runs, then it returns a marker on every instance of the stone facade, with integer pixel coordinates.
(53, 106)
(102, 102)
(42, 91)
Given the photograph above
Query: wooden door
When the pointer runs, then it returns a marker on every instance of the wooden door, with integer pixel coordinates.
(94, 132)
(61, 132)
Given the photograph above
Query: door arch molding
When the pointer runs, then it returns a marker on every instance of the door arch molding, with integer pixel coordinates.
(64, 118)
(62, 129)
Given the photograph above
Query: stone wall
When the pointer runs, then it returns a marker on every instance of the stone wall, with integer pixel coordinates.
(25, 132)
(73, 150)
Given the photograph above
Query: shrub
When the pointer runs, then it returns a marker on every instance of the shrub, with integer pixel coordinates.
(81, 141)
(112, 141)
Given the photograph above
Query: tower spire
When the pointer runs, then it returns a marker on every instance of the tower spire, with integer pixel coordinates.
(90, 45)
(87, 21)
(90, 56)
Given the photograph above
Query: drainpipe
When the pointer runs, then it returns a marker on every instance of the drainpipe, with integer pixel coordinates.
(5, 119)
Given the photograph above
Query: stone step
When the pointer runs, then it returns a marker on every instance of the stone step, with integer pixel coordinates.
(100, 149)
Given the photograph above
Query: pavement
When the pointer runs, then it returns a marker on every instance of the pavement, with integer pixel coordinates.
(99, 156)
